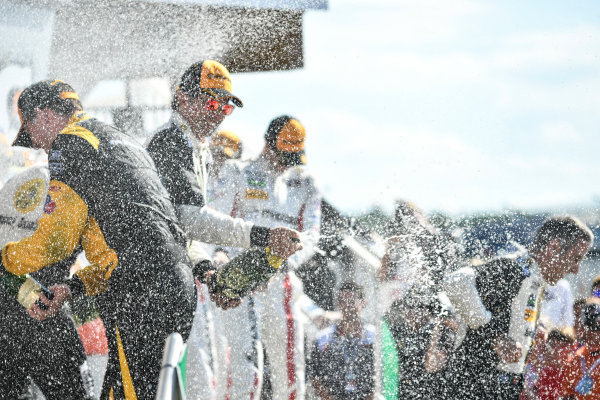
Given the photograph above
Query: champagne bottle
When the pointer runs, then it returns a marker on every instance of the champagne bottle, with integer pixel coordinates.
(246, 272)
(25, 288)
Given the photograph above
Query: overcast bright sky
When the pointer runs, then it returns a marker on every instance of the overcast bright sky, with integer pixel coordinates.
(458, 106)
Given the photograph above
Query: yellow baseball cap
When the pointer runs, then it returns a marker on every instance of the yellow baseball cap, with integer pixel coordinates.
(229, 142)
(210, 77)
(286, 135)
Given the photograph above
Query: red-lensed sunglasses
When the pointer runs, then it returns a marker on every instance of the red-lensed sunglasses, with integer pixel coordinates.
(213, 105)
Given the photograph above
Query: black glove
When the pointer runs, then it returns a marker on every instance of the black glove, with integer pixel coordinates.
(201, 268)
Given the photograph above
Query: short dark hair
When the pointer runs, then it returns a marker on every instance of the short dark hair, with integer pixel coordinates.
(350, 286)
(567, 229)
(591, 314)
(562, 334)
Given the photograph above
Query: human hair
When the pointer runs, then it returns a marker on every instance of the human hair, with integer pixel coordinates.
(579, 303)
(562, 334)
(353, 287)
(174, 101)
(567, 229)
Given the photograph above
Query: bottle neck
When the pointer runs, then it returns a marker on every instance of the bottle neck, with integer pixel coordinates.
(11, 282)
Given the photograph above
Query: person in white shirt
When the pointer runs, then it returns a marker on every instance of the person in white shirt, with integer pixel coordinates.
(499, 301)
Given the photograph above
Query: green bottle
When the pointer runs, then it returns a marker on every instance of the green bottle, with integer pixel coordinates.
(25, 288)
(246, 272)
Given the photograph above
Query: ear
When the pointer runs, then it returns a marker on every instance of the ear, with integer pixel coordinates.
(40, 115)
(554, 244)
(182, 98)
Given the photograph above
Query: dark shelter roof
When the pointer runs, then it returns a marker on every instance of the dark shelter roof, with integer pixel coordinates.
(83, 42)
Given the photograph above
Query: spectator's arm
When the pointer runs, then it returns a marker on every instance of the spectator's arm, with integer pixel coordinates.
(385, 272)
(439, 346)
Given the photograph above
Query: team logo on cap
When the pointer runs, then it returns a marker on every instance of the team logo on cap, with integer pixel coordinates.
(29, 195)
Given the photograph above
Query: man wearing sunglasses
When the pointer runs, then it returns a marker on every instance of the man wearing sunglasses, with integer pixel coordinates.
(182, 156)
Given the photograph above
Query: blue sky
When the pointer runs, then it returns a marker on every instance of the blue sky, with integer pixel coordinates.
(458, 106)
(461, 106)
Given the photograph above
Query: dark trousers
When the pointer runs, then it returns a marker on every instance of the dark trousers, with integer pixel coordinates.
(137, 327)
(50, 352)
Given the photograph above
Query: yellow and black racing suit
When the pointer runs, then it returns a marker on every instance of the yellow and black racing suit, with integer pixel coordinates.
(105, 194)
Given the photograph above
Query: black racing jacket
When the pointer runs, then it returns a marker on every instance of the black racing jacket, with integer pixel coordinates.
(498, 282)
(105, 194)
(173, 156)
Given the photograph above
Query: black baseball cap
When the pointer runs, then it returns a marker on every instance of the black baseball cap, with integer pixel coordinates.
(44, 94)
(209, 77)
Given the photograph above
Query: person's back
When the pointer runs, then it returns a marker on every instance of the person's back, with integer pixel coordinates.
(116, 179)
(152, 278)
(506, 287)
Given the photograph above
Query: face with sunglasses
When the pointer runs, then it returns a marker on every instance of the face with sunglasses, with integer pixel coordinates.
(203, 113)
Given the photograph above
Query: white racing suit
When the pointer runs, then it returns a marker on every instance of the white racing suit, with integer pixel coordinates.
(287, 199)
(244, 370)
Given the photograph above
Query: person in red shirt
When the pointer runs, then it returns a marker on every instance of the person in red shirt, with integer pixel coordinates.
(581, 375)
(547, 363)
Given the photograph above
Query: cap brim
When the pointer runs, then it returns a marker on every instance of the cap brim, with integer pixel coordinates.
(224, 94)
(231, 153)
(23, 139)
(297, 158)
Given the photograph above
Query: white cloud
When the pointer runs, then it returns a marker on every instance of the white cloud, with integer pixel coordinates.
(560, 132)
(572, 47)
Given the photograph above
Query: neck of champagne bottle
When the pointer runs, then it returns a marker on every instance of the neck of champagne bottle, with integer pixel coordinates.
(11, 282)
(26, 289)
